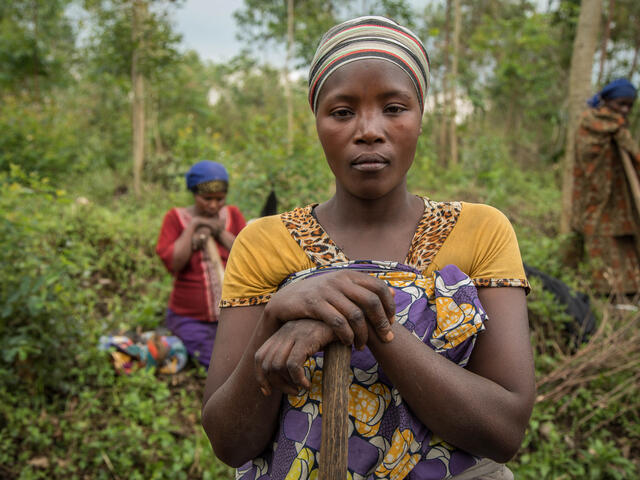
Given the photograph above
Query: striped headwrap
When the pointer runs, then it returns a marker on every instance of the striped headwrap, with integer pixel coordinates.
(366, 38)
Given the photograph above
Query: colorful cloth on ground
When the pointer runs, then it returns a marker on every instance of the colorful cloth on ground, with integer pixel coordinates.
(369, 37)
(206, 171)
(198, 336)
(386, 440)
(194, 287)
(478, 239)
(130, 352)
(602, 202)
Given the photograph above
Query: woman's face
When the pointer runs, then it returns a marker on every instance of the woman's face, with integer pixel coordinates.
(209, 204)
(622, 105)
(368, 120)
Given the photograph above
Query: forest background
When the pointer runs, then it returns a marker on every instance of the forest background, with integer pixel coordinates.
(101, 113)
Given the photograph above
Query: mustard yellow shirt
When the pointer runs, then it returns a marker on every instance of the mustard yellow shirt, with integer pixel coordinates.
(477, 238)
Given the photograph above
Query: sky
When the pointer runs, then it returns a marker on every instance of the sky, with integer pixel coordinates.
(209, 28)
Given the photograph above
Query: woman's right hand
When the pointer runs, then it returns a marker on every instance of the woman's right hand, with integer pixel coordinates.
(347, 301)
(214, 224)
(279, 362)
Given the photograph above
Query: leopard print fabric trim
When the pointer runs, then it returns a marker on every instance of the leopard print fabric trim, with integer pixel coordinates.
(311, 237)
(246, 302)
(502, 282)
(436, 224)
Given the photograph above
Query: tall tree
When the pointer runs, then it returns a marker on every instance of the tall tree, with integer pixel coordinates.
(262, 21)
(584, 47)
(453, 136)
(138, 14)
(443, 131)
(37, 45)
(287, 80)
(605, 40)
(131, 48)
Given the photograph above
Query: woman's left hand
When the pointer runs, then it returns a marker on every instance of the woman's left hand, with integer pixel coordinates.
(200, 237)
(279, 362)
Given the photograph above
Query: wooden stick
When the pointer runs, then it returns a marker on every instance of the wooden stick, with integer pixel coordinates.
(336, 377)
(214, 257)
(632, 177)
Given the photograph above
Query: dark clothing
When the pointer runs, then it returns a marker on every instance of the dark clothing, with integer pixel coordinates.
(603, 211)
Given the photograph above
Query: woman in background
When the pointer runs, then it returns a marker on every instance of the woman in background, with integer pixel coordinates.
(194, 244)
(603, 214)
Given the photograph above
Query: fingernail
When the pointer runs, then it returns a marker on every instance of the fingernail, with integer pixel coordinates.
(389, 336)
(265, 391)
(392, 319)
(393, 292)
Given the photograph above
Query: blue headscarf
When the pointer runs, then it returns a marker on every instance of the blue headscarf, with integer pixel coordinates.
(206, 171)
(616, 89)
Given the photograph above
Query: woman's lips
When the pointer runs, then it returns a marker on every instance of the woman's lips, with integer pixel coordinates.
(369, 163)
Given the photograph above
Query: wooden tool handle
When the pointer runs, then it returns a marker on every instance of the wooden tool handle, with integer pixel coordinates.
(336, 377)
(632, 177)
(211, 248)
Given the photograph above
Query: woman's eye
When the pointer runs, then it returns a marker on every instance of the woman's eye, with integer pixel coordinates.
(394, 109)
(341, 113)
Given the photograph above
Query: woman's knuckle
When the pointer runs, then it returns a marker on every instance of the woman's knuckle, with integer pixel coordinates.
(257, 358)
(356, 316)
(372, 302)
(336, 321)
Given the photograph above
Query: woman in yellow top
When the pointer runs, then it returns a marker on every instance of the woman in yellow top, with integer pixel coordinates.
(442, 369)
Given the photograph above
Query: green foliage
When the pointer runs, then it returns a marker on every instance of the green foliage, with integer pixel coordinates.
(74, 270)
(40, 138)
(527, 82)
(77, 251)
(36, 293)
(266, 21)
(36, 45)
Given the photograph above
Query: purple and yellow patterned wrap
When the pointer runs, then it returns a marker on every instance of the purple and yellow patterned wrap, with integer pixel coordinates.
(386, 440)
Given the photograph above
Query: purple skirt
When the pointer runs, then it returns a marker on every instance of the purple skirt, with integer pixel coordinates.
(197, 336)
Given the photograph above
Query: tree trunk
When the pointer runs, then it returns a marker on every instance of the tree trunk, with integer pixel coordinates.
(154, 127)
(605, 40)
(36, 56)
(287, 85)
(584, 47)
(137, 80)
(636, 51)
(442, 131)
(453, 136)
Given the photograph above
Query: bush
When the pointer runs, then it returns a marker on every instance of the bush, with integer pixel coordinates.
(73, 270)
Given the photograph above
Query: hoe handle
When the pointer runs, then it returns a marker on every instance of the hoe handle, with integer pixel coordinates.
(335, 413)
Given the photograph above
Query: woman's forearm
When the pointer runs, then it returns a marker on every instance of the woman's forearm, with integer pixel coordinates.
(463, 408)
(226, 239)
(238, 418)
(182, 250)
(483, 408)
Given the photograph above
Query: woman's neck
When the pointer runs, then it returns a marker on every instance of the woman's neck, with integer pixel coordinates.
(380, 229)
(344, 209)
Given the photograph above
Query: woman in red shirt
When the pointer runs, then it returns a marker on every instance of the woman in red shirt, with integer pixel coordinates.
(194, 244)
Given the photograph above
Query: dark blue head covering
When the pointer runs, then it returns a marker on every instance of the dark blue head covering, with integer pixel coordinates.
(206, 171)
(616, 89)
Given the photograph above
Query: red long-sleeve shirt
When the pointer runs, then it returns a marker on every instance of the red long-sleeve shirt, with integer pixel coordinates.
(189, 297)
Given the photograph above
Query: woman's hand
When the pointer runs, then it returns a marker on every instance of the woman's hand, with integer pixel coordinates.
(345, 301)
(204, 227)
(199, 238)
(214, 224)
(279, 361)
